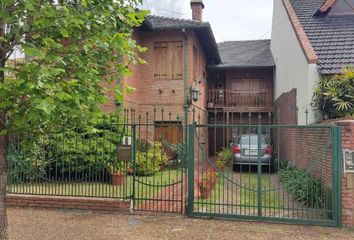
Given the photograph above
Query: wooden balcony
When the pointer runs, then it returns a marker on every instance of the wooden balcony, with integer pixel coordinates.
(241, 101)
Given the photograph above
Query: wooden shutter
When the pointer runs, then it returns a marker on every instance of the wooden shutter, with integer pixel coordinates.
(168, 61)
(161, 60)
(177, 61)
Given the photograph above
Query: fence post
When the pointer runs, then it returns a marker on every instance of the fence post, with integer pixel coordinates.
(132, 200)
(259, 170)
(336, 175)
(190, 184)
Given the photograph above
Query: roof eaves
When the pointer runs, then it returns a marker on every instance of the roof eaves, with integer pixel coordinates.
(306, 46)
(220, 66)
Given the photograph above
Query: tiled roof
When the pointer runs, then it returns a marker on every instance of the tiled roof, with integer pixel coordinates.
(202, 29)
(159, 22)
(332, 37)
(241, 54)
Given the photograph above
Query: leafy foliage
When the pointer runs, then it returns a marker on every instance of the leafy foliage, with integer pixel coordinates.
(69, 153)
(75, 51)
(72, 54)
(224, 157)
(152, 160)
(302, 186)
(27, 162)
(177, 151)
(334, 96)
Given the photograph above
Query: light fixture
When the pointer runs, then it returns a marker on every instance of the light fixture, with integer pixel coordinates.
(195, 93)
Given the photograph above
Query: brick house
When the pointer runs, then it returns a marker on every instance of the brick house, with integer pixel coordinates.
(242, 81)
(232, 77)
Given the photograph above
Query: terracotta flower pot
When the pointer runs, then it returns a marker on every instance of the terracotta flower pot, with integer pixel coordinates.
(118, 179)
(205, 193)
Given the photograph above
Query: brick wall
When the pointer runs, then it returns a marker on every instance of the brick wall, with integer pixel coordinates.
(286, 114)
(348, 178)
(285, 105)
(311, 149)
(94, 204)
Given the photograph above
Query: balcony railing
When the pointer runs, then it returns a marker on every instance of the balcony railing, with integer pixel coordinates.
(240, 99)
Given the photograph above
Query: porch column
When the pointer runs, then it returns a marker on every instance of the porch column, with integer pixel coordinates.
(228, 130)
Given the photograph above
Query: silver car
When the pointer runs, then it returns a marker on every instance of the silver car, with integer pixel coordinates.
(245, 151)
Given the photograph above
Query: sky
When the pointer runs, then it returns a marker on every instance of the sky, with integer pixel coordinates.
(230, 19)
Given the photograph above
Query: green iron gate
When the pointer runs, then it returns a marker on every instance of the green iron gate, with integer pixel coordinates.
(301, 185)
(271, 173)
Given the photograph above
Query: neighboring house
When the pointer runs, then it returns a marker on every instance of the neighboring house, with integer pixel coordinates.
(310, 39)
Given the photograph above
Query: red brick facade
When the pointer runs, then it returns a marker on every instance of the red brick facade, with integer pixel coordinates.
(95, 204)
(286, 108)
(348, 178)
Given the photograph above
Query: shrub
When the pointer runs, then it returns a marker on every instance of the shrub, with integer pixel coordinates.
(29, 164)
(334, 96)
(152, 160)
(177, 151)
(302, 186)
(70, 152)
(85, 151)
(224, 157)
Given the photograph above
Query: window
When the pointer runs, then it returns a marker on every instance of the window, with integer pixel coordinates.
(342, 7)
(168, 61)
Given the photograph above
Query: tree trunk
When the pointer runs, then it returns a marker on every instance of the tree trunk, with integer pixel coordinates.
(3, 181)
(3, 151)
(3, 178)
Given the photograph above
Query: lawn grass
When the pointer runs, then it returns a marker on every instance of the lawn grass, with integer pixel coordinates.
(240, 194)
(100, 189)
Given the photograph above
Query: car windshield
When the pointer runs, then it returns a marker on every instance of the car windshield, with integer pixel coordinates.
(251, 140)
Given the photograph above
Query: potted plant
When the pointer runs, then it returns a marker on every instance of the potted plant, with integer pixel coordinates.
(224, 157)
(220, 163)
(207, 183)
(117, 174)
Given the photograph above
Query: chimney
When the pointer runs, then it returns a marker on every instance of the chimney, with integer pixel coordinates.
(197, 10)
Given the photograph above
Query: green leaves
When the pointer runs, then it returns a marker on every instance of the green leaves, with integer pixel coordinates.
(71, 50)
(46, 105)
(64, 32)
(334, 96)
(33, 52)
(129, 89)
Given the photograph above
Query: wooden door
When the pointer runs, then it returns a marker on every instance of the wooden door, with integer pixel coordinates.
(171, 133)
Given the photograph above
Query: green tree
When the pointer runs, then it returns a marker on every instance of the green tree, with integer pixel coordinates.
(334, 96)
(71, 48)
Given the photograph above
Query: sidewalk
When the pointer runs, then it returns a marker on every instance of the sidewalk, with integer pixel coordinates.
(49, 224)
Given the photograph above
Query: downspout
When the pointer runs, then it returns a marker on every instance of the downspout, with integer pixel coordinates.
(186, 106)
(185, 68)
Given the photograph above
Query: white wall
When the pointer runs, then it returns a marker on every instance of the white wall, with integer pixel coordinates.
(292, 68)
